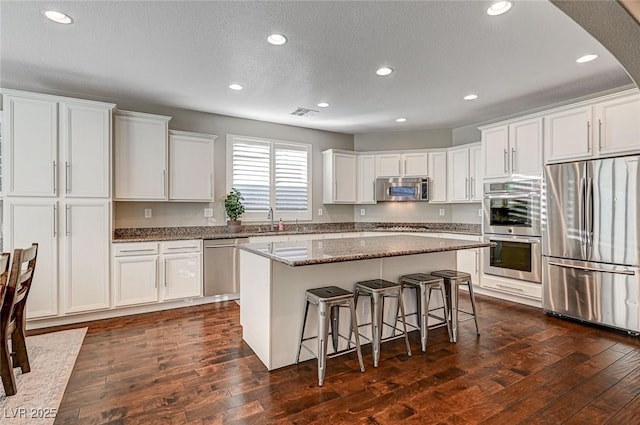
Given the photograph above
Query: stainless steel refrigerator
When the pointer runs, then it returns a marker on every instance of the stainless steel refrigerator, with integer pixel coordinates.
(591, 257)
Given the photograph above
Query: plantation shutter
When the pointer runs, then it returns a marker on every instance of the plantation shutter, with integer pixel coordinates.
(251, 173)
(291, 178)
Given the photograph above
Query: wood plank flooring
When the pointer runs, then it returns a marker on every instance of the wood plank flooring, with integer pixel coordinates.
(190, 366)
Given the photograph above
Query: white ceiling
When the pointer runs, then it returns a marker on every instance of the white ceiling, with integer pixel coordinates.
(184, 54)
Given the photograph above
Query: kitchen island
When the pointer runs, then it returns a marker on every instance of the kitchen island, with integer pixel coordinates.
(274, 277)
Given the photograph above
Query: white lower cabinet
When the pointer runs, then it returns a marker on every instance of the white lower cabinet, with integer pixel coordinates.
(148, 272)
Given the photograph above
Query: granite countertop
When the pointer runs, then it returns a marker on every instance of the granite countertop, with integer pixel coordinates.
(220, 232)
(304, 253)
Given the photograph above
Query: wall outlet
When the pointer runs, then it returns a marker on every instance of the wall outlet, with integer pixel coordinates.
(479, 212)
(147, 213)
(441, 211)
(363, 211)
(319, 212)
(208, 212)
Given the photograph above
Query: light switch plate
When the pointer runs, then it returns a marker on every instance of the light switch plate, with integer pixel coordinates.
(147, 213)
(479, 212)
(319, 212)
(208, 212)
(442, 211)
(363, 211)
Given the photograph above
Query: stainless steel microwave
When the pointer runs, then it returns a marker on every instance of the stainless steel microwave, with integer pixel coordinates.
(402, 189)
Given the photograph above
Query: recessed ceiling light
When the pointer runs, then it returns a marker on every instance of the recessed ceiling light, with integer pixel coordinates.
(471, 97)
(58, 17)
(586, 58)
(499, 7)
(277, 39)
(401, 120)
(323, 104)
(235, 86)
(384, 71)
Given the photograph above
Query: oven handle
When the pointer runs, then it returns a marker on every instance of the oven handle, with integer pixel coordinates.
(513, 239)
(512, 195)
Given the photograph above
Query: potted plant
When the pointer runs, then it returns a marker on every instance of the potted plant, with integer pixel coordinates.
(234, 209)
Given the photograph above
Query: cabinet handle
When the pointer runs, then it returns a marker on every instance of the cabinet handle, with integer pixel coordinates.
(509, 288)
(504, 160)
(164, 183)
(472, 188)
(599, 134)
(335, 192)
(164, 271)
(588, 136)
(182, 247)
(55, 183)
(67, 166)
(155, 283)
(405, 167)
(513, 159)
(55, 221)
(477, 262)
(211, 185)
(466, 187)
(67, 231)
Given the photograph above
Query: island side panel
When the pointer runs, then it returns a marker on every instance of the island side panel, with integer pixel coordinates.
(255, 303)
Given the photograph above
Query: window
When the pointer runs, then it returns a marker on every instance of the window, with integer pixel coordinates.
(270, 174)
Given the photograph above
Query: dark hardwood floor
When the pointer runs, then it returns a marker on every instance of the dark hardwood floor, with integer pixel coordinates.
(190, 366)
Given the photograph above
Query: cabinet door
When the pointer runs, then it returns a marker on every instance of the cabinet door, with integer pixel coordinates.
(416, 164)
(388, 165)
(141, 156)
(495, 142)
(86, 236)
(568, 135)
(31, 147)
(190, 166)
(476, 173)
(86, 136)
(182, 276)
(458, 171)
(344, 177)
(437, 177)
(28, 221)
(618, 124)
(468, 260)
(526, 148)
(366, 179)
(135, 280)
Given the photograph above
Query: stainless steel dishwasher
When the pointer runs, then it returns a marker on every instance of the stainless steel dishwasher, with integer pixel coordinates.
(221, 266)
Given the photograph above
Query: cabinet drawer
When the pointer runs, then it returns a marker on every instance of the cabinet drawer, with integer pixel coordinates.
(513, 287)
(138, 248)
(176, 247)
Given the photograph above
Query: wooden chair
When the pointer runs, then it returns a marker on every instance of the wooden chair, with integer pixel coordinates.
(4, 274)
(12, 317)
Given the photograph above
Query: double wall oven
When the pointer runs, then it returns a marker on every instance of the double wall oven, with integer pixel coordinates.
(512, 220)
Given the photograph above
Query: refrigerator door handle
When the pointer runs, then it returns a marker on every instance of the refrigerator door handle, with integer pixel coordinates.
(582, 218)
(589, 213)
(592, 269)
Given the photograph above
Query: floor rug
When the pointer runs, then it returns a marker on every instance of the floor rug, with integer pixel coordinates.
(40, 391)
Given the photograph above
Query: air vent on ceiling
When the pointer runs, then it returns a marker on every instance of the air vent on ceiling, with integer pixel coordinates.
(302, 112)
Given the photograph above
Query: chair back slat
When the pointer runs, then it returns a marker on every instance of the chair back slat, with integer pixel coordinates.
(4, 274)
(18, 284)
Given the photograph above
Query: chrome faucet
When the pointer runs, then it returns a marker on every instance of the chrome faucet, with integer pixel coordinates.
(270, 217)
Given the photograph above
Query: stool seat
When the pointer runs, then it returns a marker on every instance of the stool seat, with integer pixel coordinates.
(452, 275)
(424, 284)
(377, 290)
(329, 293)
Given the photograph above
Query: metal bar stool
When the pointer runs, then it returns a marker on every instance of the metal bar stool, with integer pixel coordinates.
(453, 279)
(424, 284)
(377, 290)
(330, 299)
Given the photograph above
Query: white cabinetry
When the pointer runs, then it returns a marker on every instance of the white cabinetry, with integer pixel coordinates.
(437, 176)
(366, 179)
(513, 150)
(402, 165)
(140, 156)
(618, 125)
(339, 177)
(464, 169)
(190, 166)
(568, 134)
(181, 269)
(140, 269)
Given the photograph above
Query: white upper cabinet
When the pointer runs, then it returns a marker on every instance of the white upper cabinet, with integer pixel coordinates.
(57, 146)
(513, 150)
(401, 165)
(339, 177)
(599, 129)
(366, 179)
(476, 173)
(141, 156)
(464, 170)
(618, 125)
(86, 149)
(438, 176)
(568, 134)
(31, 146)
(190, 166)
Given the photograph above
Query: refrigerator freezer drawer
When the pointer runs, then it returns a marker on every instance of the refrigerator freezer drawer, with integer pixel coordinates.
(597, 293)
